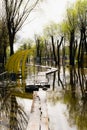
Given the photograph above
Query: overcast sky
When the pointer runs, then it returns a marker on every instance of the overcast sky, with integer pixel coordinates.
(50, 10)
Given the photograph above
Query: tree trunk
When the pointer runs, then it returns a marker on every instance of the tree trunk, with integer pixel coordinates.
(71, 48)
(58, 54)
(55, 59)
(38, 53)
(58, 49)
(82, 45)
(11, 40)
(46, 53)
(5, 56)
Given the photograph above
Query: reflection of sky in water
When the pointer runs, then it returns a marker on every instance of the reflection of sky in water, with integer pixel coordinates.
(20, 114)
(25, 104)
(58, 117)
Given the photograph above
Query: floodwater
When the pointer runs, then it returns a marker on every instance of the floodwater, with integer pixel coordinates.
(66, 100)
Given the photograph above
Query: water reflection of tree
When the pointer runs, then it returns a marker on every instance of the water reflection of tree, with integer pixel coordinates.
(82, 82)
(53, 97)
(78, 81)
(76, 98)
(14, 114)
(77, 111)
(56, 79)
(18, 118)
(73, 85)
(60, 82)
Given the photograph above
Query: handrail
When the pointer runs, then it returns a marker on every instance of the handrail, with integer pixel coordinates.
(3, 76)
(3, 73)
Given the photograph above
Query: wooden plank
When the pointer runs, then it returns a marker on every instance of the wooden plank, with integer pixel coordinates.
(44, 113)
(34, 121)
(41, 78)
(44, 123)
(39, 115)
(53, 70)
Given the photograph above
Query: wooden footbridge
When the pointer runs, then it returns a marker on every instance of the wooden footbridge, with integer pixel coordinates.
(39, 115)
(39, 119)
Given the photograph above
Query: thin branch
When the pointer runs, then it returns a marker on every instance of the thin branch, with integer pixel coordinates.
(24, 16)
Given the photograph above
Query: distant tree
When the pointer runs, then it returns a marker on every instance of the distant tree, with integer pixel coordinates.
(58, 49)
(17, 11)
(51, 32)
(26, 44)
(40, 48)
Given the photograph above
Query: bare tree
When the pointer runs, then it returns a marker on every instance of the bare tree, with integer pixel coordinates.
(17, 11)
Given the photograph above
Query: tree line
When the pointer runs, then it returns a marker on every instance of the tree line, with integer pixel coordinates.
(70, 34)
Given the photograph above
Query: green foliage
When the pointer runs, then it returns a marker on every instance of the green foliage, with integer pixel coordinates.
(81, 7)
(70, 22)
(51, 29)
(42, 45)
(26, 44)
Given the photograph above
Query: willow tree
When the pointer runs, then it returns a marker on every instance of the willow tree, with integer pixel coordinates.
(69, 29)
(81, 7)
(17, 11)
(72, 25)
(51, 32)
